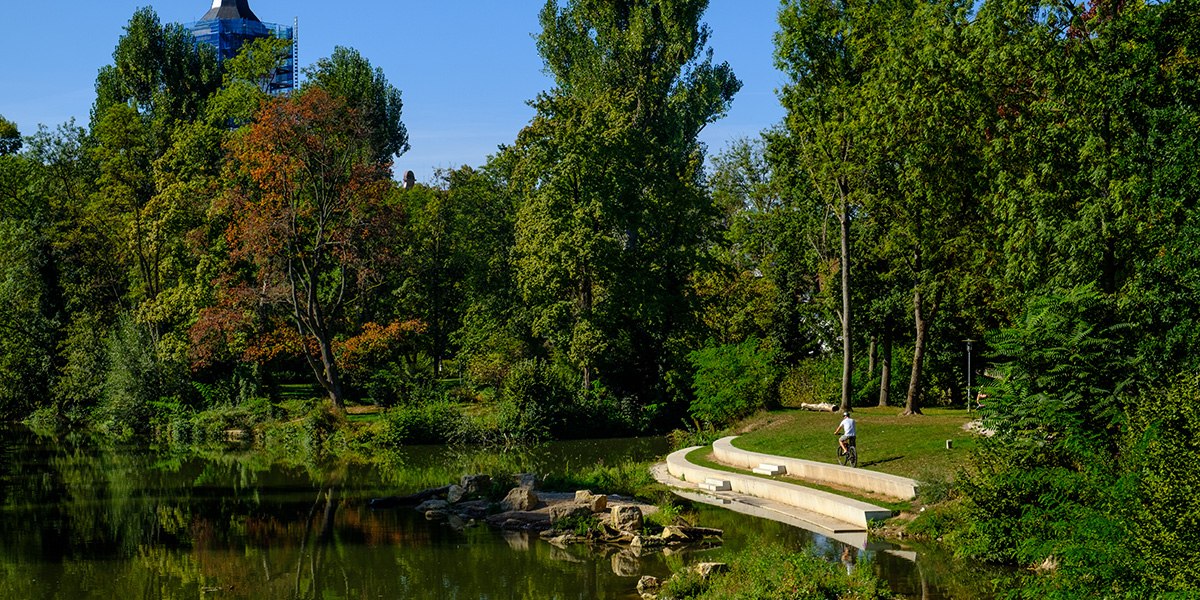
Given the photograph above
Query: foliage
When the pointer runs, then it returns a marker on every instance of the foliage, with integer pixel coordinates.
(535, 401)
(434, 421)
(811, 381)
(612, 212)
(732, 381)
(312, 227)
(768, 571)
(10, 137)
(366, 91)
(1163, 451)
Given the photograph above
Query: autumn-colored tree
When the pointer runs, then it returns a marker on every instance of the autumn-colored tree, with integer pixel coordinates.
(309, 224)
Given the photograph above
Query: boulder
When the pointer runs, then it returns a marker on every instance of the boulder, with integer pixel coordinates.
(678, 535)
(475, 484)
(526, 480)
(475, 509)
(627, 518)
(596, 502)
(520, 498)
(706, 570)
(567, 510)
(455, 494)
(434, 504)
(435, 515)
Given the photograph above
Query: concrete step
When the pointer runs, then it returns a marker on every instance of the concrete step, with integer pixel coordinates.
(715, 485)
(770, 469)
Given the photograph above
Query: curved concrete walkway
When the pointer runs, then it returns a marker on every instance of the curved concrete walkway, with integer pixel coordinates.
(894, 486)
(828, 511)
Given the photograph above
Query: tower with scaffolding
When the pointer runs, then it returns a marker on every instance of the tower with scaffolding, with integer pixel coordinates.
(229, 24)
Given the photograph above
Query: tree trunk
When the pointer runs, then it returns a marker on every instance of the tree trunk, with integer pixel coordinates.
(872, 355)
(911, 406)
(847, 364)
(330, 378)
(885, 367)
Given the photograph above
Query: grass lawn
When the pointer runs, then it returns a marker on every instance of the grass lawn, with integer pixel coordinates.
(887, 442)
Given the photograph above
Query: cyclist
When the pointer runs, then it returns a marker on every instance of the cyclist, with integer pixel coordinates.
(848, 429)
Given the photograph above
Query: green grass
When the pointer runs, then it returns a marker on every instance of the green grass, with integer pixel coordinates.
(887, 442)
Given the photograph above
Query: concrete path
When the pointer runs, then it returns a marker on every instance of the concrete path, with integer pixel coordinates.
(823, 509)
(764, 509)
(894, 486)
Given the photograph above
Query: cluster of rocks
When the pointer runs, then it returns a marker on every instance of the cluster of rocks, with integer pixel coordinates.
(614, 524)
(559, 518)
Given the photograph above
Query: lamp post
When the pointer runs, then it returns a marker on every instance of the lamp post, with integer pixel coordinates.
(969, 342)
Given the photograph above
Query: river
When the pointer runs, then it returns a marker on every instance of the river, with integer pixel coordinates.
(84, 519)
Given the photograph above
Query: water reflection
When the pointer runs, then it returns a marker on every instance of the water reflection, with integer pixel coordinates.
(88, 520)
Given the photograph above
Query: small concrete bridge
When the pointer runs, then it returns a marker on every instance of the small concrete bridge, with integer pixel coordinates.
(834, 515)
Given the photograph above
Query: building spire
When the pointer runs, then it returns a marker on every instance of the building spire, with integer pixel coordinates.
(229, 9)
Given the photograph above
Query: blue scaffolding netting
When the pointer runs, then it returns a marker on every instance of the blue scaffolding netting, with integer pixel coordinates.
(228, 36)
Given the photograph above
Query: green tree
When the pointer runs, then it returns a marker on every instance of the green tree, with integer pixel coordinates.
(822, 154)
(10, 137)
(925, 120)
(347, 74)
(613, 213)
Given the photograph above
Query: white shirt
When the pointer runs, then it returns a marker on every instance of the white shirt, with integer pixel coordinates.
(848, 426)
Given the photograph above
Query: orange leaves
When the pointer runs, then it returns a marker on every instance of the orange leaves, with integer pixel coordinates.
(358, 351)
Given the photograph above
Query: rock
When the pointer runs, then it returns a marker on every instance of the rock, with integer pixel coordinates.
(627, 518)
(435, 515)
(678, 535)
(455, 494)
(648, 585)
(567, 510)
(434, 504)
(640, 541)
(596, 502)
(475, 509)
(526, 480)
(520, 498)
(475, 484)
(708, 569)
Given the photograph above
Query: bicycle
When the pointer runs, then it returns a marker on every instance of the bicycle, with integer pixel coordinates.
(849, 458)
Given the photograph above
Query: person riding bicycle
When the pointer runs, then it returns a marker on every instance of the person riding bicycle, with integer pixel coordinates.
(850, 432)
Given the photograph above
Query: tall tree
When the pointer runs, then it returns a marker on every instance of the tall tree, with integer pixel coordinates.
(614, 214)
(926, 119)
(822, 48)
(311, 222)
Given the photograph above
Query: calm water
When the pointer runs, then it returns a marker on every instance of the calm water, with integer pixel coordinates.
(84, 520)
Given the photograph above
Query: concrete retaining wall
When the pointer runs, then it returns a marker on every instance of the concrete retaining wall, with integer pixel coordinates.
(831, 505)
(894, 486)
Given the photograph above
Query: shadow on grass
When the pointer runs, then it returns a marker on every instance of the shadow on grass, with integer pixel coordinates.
(879, 461)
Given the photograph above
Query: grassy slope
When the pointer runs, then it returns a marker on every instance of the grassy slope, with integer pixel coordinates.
(908, 446)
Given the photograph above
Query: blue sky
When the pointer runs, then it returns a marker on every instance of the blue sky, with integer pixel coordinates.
(465, 67)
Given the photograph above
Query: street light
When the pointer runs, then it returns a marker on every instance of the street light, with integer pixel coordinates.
(969, 342)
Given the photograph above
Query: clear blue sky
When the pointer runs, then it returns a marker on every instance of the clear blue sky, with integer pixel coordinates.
(465, 67)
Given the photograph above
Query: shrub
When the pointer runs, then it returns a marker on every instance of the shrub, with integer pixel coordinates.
(535, 402)
(768, 571)
(731, 381)
(1164, 518)
(430, 422)
(812, 381)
